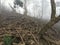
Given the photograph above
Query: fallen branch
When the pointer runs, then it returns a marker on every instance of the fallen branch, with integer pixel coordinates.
(52, 41)
(20, 36)
(55, 30)
(34, 38)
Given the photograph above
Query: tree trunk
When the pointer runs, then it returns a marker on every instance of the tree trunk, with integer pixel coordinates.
(53, 20)
(25, 12)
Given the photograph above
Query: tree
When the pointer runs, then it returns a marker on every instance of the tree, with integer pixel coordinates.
(21, 4)
(53, 20)
(25, 7)
(18, 2)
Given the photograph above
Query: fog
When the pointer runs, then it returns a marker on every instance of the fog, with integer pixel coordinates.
(40, 9)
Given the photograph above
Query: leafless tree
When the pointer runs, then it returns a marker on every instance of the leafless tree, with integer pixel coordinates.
(53, 20)
(25, 7)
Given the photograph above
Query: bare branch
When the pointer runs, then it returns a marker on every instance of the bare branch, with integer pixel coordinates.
(34, 38)
(20, 36)
(25, 13)
(49, 25)
(54, 30)
(50, 40)
(12, 8)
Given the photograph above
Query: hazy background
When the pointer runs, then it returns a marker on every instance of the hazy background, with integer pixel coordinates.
(40, 9)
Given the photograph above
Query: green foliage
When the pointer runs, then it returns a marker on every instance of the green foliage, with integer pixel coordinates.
(8, 40)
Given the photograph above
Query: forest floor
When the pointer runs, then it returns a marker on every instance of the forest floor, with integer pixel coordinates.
(26, 31)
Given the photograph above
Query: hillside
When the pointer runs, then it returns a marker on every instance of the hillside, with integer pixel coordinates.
(28, 28)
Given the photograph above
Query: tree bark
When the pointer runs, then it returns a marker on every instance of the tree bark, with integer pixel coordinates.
(49, 25)
(53, 9)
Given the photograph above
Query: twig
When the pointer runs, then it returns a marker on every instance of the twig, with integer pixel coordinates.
(20, 36)
(34, 38)
(48, 39)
